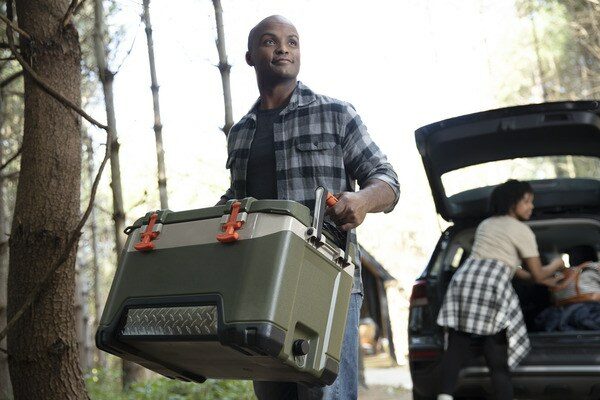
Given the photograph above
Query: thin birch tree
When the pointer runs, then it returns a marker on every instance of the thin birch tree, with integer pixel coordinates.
(131, 372)
(160, 152)
(223, 66)
(99, 355)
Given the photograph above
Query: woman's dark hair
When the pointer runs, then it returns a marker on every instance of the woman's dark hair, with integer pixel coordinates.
(506, 195)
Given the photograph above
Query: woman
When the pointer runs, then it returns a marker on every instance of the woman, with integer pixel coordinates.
(480, 299)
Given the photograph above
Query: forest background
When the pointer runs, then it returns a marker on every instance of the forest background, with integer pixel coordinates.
(401, 64)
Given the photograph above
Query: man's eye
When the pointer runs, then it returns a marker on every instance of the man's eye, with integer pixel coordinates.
(269, 41)
(293, 43)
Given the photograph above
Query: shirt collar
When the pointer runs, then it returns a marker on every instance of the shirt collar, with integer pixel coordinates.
(301, 97)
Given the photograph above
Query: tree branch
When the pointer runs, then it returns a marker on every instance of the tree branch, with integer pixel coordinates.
(38, 79)
(17, 154)
(3, 351)
(8, 80)
(69, 14)
(9, 24)
(33, 295)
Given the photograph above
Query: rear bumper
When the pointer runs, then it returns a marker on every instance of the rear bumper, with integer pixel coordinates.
(543, 382)
(579, 382)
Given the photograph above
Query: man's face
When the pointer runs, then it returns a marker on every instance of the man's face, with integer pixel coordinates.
(275, 51)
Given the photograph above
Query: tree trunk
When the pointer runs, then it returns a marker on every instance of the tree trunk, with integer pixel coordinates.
(160, 152)
(5, 386)
(99, 354)
(43, 351)
(131, 372)
(224, 66)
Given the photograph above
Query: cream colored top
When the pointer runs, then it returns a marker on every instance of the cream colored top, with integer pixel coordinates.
(506, 239)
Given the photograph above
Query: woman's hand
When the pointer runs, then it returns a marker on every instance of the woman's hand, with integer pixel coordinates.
(553, 280)
(541, 273)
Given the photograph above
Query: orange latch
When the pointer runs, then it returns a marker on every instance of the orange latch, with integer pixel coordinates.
(231, 226)
(331, 200)
(148, 235)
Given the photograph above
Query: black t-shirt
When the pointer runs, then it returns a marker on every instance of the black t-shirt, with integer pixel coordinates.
(261, 181)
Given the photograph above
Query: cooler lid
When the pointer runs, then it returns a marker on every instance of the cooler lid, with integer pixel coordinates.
(249, 205)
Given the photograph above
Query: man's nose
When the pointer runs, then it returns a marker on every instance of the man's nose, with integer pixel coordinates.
(282, 49)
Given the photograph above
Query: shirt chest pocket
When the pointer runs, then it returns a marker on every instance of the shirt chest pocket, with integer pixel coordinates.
(318, 142)
(318, 151)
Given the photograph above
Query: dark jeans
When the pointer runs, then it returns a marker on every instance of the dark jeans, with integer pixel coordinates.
(495, 351)
(345, 386)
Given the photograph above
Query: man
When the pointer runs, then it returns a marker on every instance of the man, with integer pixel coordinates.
(292, 141)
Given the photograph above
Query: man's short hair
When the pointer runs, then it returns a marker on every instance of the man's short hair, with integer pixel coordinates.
(506, 195)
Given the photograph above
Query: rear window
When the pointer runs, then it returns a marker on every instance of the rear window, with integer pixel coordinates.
(525, 169)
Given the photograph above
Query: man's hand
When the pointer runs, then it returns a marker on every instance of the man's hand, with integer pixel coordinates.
(350, 210)
(352, 207)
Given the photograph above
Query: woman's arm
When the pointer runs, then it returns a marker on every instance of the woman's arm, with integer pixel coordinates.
(550, 281)
(541, 274)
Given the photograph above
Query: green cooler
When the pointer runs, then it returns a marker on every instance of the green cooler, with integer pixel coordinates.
(253, 290)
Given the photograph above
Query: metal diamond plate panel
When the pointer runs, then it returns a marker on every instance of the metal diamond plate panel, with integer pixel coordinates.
(171, 321)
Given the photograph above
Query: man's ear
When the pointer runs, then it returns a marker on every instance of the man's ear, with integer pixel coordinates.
(249, 59)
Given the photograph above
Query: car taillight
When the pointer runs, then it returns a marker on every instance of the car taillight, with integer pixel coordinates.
(423, 354)
(418, 297)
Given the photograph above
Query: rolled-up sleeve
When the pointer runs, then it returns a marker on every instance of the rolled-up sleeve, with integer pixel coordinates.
(363, 159)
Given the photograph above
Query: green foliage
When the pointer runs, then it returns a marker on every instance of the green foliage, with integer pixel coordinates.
(106, 385)
(554, 55)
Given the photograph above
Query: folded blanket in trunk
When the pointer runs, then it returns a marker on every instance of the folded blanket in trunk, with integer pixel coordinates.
(574, 317)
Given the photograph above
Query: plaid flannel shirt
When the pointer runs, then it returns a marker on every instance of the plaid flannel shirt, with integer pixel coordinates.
(319, 141)
(481, 300)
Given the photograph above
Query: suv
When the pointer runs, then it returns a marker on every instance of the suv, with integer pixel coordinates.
(556, 147)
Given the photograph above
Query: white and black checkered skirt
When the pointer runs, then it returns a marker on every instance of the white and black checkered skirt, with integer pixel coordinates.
(481, 300)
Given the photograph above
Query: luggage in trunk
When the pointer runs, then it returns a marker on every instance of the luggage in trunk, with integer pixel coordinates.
(266, 301)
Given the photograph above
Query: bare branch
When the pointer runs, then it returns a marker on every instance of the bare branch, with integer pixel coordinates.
(69, 14)
(130, 49)
(17, 154)
(10, 24)
(10, 79)
(104, 210)
(62, 99)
